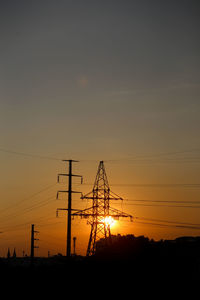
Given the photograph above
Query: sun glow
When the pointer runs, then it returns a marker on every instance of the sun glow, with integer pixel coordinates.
(109, 221)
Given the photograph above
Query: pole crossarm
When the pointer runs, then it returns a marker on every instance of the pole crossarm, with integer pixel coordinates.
(84, 213)
(66, 209)
(111, 196)
(75, 192)
(89, 212)
(67, 175)
(116, 214)
(70, 160)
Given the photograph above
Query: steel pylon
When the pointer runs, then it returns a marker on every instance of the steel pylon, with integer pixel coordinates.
(100, 210)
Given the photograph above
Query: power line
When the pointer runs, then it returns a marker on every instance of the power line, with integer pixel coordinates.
(167, 221)
(28, 198)
(163, 201)
(29, 209)
(156, 201)
(28, 154)
(161, 154)
(11, 228)
(135, 158)
(14, 227)
(160, 185)
(159, 161)
(168, 225)
(155, 185)
(158, 205)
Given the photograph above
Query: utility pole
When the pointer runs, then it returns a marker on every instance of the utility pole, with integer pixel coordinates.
(69, 209)
(33, 239)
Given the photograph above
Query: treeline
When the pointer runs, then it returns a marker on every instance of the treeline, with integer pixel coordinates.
(129, 246)
(178, 257)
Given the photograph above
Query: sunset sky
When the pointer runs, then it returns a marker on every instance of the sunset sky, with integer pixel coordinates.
(99, 80)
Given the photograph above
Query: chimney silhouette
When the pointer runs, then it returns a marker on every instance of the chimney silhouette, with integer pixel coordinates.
(14, 254)
(8, 253)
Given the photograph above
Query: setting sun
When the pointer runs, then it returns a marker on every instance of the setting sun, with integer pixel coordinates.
(109, 221)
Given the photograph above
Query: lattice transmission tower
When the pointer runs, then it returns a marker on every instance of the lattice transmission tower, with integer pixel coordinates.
(100, 211)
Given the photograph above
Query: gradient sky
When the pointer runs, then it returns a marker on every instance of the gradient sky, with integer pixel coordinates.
(98, 80)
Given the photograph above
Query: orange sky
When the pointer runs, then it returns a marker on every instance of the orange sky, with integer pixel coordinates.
(31, 199)
(98, 80)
